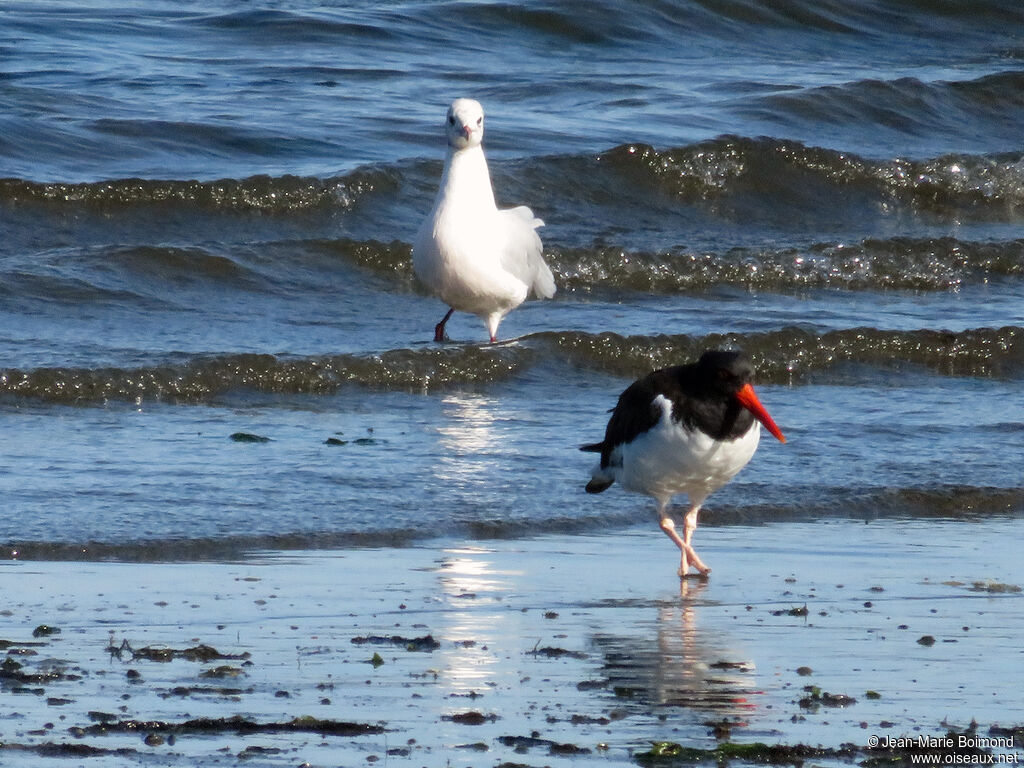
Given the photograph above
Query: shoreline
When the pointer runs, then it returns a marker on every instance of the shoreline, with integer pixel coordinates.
(520, 651)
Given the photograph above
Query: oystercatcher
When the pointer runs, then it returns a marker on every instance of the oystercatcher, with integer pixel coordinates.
(477, 258)
(685, 429)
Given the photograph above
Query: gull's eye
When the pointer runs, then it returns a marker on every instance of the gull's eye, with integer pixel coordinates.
(480, 121)
(451, 119)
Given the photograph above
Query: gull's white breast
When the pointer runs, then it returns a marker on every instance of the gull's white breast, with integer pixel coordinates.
(458, 255)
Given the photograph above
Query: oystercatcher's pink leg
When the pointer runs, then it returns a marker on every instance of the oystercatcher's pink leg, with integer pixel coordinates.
(687, 556)
(439, 328)
(689, 526)
(690, 521)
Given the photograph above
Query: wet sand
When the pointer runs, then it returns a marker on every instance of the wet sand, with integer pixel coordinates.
(558, 650)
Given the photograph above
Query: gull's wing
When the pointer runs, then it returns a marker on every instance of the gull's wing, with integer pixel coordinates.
(522, 251)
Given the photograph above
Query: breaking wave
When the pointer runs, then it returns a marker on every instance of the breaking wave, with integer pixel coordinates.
(280, 194)
(949, 502)
(789, 170)
(773, 171)
(788, 355)
(873, 264)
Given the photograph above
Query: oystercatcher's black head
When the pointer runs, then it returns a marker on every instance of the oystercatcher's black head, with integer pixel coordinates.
(729, 373)
(725, 370)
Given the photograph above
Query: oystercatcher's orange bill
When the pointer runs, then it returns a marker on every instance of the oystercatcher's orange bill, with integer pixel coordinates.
(749, 401)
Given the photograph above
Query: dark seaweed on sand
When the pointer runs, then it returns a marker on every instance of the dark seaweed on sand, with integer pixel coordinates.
(425, 643)
(201, 653)
(235, 724)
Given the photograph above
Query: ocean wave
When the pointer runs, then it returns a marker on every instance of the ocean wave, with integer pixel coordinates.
(947, 502)
(923, 264)
(150, 274)
(855, 19)
(392, 259)
(907, 105)
(141, 273)
(593, 24)
(293, 26)
(269, 194)
(66, 289)
(202, 379)
(953, 502)
(174, 264)
(776, 169)
(603, 22)
(788, 355)
(772, 176)
(222, 548)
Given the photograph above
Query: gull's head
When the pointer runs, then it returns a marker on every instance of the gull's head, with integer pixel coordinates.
(464, 125)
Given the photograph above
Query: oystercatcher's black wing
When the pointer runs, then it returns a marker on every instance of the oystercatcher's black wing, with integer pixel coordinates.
(635, 412)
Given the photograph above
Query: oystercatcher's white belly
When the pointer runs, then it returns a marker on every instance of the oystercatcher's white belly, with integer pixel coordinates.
(670, 459)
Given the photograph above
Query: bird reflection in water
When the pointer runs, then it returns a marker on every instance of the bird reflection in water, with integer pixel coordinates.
(683, 667)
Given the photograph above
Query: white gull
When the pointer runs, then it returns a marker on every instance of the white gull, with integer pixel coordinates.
(474, 257)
